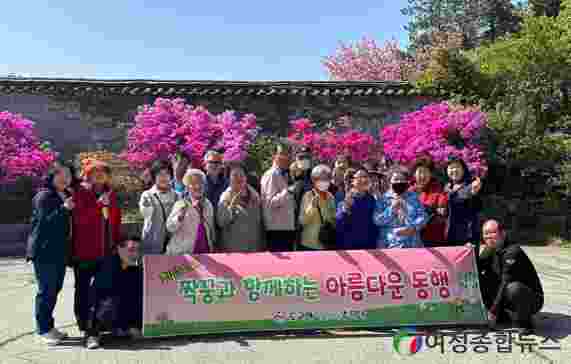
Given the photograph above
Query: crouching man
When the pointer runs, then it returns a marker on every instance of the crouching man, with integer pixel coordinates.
(118, 294)
(510, 286)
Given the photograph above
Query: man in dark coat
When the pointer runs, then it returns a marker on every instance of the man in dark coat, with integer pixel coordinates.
(118, 294)
(510, 285)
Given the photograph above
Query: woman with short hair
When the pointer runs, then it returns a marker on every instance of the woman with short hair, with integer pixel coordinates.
(191, 221)
(240, 216)
(317, 209)
(156, 205)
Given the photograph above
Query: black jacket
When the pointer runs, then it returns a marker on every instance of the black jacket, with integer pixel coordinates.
(510, 264)
(49, 238)
(111, 280)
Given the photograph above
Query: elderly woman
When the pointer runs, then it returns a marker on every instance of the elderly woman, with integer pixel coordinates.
(156, 205)
(317, 209)
(355, 226)
(240, 216)
(434, 200)
(464, 204)
(191, 221)
(399, 214)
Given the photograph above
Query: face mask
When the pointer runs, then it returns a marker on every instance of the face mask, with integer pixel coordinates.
(305, 164)
(322, 185)
(399, 188)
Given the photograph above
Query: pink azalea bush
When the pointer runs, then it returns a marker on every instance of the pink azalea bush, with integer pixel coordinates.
(441, 130)
(170, 126)
(22, 153)
(366, 61)
(327, 145)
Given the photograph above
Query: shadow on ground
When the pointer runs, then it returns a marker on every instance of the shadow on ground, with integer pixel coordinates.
(548, 325)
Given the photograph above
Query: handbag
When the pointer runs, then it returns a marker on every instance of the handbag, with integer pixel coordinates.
(168, 234)
(327, 235)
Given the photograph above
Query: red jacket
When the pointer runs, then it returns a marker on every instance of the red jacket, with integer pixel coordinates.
(432, 198)
(90, 240)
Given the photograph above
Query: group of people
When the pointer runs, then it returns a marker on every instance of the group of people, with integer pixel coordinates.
(297, 205)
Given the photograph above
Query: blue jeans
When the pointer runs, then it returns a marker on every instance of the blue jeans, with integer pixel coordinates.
(49, 277)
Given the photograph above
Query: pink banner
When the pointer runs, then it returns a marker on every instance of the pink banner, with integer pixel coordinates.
(259, 291)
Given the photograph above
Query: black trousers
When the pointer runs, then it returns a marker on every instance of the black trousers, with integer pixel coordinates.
(281, 241)
(83, 295)
(119, 312)
(519, 302)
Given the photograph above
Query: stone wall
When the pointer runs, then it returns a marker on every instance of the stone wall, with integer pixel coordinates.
(92, 123)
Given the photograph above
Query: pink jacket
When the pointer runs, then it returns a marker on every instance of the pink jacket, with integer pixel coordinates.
(278, 204)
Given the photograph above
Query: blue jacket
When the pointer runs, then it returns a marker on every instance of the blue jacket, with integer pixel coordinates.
(355, 227)
(389, 223)
(49, 238)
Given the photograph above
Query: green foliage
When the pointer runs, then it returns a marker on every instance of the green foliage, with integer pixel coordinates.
(455, 76)
(260, 154)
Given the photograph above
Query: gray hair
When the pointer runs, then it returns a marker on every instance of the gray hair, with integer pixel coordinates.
(191, 172)
(399, 170)
(210, 153)
(319, 170)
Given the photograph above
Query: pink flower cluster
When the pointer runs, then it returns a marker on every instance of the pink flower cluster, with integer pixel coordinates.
(21, 151)
(366, 61)
(327, 145)
(441, 130)
(171, 125)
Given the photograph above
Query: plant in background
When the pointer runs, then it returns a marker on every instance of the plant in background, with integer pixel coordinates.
(171, 126)
(364, 60)
(441, 130)
(22, 153)
(337, 139)
(260, 154)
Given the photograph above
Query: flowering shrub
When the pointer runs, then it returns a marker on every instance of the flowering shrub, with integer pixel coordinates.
(170, 126)
(327, 145)
(440, 130)
(21, 151)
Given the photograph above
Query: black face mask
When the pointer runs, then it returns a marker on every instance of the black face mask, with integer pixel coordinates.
(399, 188)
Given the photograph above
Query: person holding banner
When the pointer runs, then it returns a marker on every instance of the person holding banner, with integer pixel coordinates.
(399, 214)
(317, 212)
(117, 294)
(156, 205)
(240, 216)
(191, 221)
(511, 288)
(355, 226)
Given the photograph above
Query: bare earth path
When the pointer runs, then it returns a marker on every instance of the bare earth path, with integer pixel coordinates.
(19, 345)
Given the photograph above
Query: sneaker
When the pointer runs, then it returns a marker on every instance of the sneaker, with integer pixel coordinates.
(92, 343)
(135, 333)
(62, 335)
(120, 333)
(51, 338)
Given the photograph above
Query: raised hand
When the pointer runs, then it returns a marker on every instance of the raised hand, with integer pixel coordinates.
(476, 185)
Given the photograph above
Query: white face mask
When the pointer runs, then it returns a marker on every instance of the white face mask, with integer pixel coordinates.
(305, 164)
(323, 185)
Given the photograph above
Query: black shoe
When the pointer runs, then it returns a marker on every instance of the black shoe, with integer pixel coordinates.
(524, 328)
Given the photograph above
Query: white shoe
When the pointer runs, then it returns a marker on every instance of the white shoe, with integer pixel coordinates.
(135, 333)
(51, 338)
(92, 343)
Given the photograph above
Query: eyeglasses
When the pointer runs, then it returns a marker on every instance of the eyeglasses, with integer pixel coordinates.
(214, 162)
